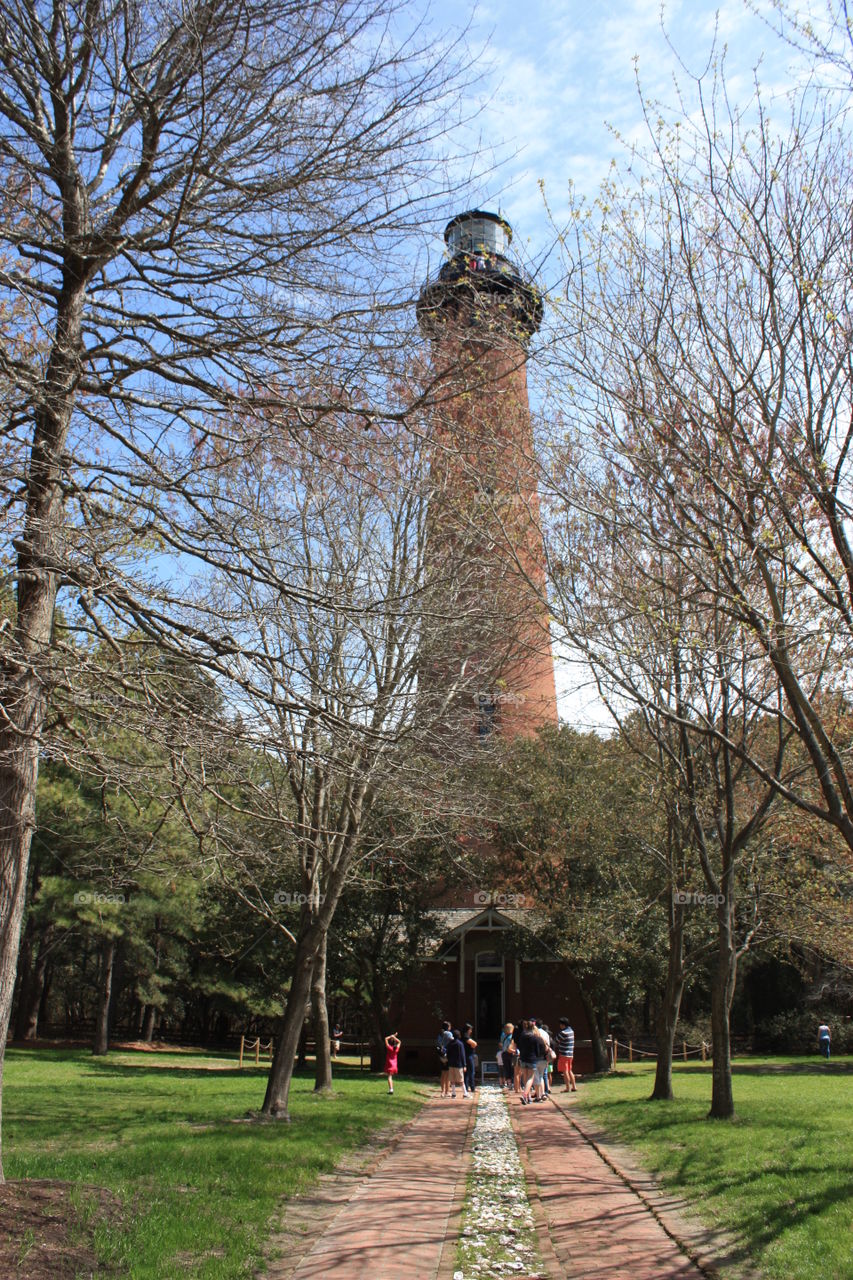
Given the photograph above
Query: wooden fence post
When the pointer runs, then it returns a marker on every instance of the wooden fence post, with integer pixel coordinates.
(242, 1043)
(630, 1050)
(704, 1052)
(258, 1051)
(684, 1049)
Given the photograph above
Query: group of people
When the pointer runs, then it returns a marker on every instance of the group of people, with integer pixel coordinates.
(526, 1058)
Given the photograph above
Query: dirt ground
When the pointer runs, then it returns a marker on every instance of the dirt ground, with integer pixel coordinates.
(46, 1232)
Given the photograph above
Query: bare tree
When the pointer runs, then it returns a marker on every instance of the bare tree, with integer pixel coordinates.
(315, 627)
(707, 342)
(194, 195)
(689, 688)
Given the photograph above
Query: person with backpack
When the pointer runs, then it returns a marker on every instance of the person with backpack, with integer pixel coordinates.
(456, 1060)
(527, 1044)
(442, 1040)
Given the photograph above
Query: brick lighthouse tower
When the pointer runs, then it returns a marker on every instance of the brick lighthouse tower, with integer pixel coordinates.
(480, 313)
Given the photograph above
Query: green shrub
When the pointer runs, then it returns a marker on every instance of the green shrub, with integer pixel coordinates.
(796, 1032)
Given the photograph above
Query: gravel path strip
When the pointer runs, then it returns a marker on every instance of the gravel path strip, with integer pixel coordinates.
(498, 1232)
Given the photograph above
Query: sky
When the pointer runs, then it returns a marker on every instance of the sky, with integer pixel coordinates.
(559, 82)
(558, 76)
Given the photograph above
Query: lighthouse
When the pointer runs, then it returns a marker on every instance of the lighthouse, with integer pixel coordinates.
(479, 313)
(486, 595)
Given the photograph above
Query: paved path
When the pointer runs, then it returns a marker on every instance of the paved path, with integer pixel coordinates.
(592, 1226)
(395, 1225)
(599, 1228)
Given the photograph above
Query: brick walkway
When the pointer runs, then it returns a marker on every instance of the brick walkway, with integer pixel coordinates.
(599, 1228)
(592, 1226)
(395, 1225)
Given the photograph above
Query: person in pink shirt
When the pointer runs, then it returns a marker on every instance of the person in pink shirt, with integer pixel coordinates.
(392, 1048)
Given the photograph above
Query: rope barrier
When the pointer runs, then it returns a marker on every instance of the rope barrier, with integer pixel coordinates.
(258, 1048)
(703, 1051)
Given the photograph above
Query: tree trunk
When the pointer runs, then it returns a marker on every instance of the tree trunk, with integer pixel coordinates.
(600, 1058)
(379, 1022)
(722, 993)
(18, 777)
(670, 1005)
(102, 1027)
(21, 994)
(148, 1024)
(281, 1071)
(24, 670)
(667, 1021)
(320, 1022)
(302, 1047)
(379, 1011)
(29, 1009)
(150, 1011)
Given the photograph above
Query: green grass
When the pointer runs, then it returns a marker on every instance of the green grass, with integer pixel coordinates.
(778, 1178)
(165, 1133)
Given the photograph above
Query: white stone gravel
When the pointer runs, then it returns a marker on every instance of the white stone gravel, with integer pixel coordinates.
(498, 1234)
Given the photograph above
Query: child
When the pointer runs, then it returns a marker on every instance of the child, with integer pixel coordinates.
(392, 1048)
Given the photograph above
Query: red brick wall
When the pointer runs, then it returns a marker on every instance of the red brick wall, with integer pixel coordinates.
(547, 991)
(486, 498)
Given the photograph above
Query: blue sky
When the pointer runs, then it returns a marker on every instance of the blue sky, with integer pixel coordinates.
(559, 75)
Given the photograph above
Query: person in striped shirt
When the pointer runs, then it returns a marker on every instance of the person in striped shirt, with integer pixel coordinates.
(565, 1055)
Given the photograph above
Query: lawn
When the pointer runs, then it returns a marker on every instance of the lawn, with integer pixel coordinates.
(197, 1184)
(779, 1178)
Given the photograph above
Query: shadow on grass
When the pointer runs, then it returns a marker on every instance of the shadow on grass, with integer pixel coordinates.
(153, 1070)
(740, 1066)
(743, 1067)
(755, 1223)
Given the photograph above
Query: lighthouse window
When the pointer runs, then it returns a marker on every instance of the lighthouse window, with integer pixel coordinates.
(478, 235)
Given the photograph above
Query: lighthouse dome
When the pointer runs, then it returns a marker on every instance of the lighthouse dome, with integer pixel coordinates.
(478, 285)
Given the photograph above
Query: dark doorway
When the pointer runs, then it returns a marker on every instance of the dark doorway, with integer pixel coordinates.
(489, 1006)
